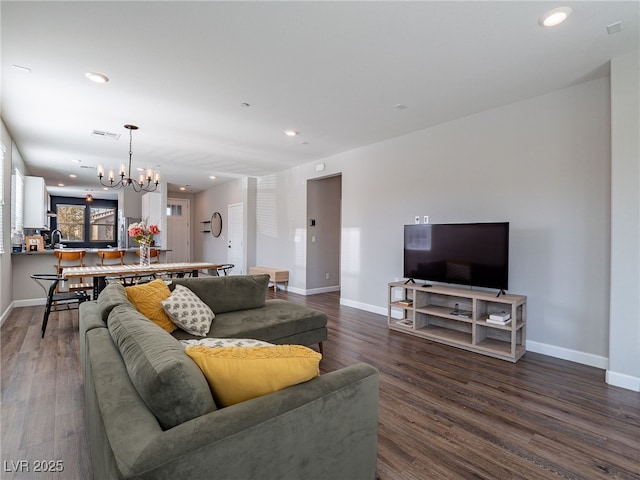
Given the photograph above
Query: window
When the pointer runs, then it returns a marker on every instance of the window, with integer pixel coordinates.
(103, 224)
(17, 201)
(86, 225)
(174, 210)
(71, 222)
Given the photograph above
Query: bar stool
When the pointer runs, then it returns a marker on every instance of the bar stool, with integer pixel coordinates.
(71, 258)
(153, 253)
(113, 257)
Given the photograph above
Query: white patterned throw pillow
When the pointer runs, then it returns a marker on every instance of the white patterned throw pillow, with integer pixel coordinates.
(225, 342)
(188, 312)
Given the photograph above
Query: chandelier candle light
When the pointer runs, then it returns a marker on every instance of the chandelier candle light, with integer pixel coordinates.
(143, 236)
(146, 183)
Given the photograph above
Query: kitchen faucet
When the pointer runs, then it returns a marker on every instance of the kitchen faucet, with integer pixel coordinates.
(53, 233)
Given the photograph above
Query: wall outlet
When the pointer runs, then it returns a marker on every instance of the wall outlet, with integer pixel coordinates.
(417, 219)
(328, 275)
(426, 219)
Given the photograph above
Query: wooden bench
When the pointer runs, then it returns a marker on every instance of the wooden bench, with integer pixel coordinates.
(276, 275)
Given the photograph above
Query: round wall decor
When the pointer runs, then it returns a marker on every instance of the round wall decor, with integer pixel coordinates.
(216, 224)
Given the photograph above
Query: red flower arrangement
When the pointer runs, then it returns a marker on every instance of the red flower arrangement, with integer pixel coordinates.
(141, 233)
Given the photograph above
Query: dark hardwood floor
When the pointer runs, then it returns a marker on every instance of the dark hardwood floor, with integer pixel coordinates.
(444, 412)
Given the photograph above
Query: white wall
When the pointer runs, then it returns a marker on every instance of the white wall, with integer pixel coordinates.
(624, 366)
(542, 164)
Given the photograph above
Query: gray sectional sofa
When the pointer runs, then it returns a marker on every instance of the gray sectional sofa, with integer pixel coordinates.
(151, 414)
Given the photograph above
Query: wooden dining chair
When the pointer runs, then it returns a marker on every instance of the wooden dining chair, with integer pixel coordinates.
(71, 258)
(112, 257)
(153, 254)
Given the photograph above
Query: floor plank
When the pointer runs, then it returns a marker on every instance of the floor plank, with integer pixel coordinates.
(444, 412)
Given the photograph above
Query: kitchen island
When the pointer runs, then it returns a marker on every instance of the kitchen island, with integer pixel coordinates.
(27, 293)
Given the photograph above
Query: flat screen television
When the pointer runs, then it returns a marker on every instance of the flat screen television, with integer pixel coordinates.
(475, 254)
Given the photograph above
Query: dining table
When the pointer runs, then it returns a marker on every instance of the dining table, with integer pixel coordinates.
(99, 273)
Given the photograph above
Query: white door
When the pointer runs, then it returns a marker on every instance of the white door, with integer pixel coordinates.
(235, 238)
(178, 230)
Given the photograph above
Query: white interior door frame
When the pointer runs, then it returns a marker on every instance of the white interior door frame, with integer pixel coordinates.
(178, 230)
(235, 238)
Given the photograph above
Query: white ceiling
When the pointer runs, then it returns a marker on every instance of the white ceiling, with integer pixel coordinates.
(333, 71)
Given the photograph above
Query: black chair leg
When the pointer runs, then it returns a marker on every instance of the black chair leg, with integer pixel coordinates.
(47, 311)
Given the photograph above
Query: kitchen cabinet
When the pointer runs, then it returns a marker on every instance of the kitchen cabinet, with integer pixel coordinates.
(36, 203)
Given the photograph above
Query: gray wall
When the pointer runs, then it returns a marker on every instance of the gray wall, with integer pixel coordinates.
(542, 164)
(12, 160)
(624, 368)
(6, 288)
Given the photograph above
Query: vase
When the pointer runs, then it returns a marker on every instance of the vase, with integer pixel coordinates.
(144, 255)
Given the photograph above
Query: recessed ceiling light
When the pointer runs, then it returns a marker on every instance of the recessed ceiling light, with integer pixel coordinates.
(290, 133)
(73, 175)
(96, 77)
(245, 105)
(555, 17)
(212, 177)
(61, 184)
(183, 188)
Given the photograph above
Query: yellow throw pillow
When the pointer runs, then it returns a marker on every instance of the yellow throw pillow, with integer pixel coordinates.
(147, 297)
(236, 374)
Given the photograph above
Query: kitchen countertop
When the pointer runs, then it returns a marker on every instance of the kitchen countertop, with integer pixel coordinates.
(49, 251)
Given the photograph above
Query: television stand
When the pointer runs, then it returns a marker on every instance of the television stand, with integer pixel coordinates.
(460, 318)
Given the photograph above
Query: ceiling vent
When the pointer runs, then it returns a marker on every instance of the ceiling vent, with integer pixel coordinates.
(105, 135)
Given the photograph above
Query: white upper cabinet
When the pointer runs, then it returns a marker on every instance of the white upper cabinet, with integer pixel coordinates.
(36, 203)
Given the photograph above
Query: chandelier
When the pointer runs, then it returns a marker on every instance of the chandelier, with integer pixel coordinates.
(146, 182)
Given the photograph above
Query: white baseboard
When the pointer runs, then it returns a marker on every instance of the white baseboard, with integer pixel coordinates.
(6, 314)
(364, 306)
(568, 354)
(30, 302)
(622, 380)
(313, 291)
